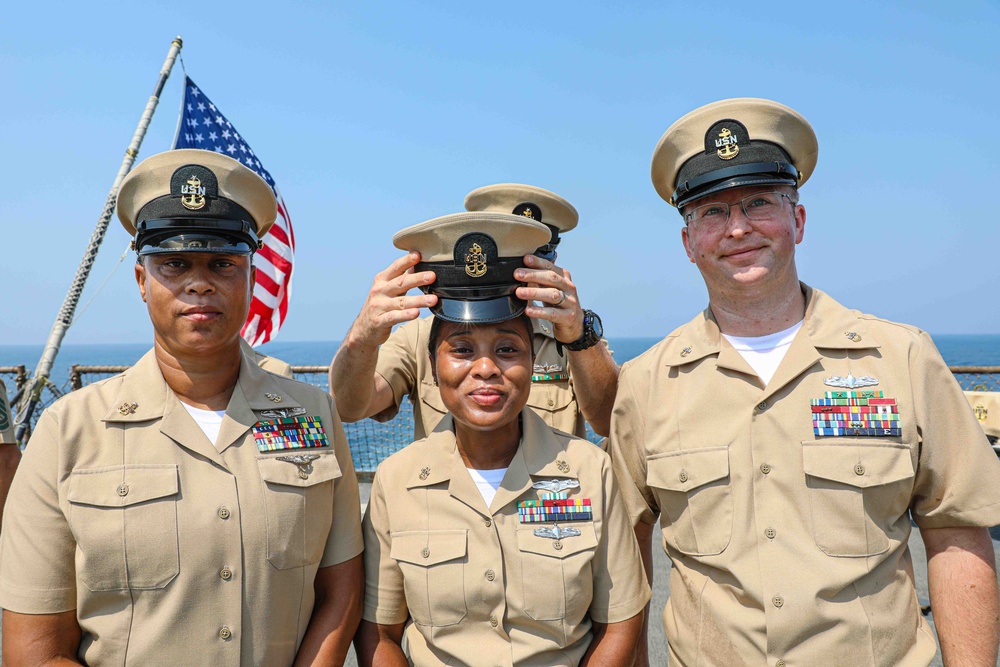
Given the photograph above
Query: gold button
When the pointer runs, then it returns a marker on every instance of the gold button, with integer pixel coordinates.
(223, 514)
(780, 663)
(225, 632)
(683, 476)
(123, 490)
(490, 575)
(557, 545)
(770, 533)
(765, 468)
(226, 573)
(777, 601)
(493, 621)
(762, 406)
(425, 552)
(859, 469)
(488, 523)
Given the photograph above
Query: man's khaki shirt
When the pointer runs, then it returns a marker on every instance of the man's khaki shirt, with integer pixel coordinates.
(405, 363)
(790, 548)
(480, 586)
(170, 551)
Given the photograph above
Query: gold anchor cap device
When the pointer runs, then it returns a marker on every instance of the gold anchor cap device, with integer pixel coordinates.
(730, 144)
(474, 256)
(192, 200)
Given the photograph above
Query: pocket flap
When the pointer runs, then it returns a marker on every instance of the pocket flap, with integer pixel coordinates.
(276, 471)
(550, 396)
(431, 397)
(544, 546)
(857, 464)
(428, 547)
(121, 486)
(688, 469)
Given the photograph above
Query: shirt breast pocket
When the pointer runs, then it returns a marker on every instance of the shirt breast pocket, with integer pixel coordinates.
(857, 491)
(693, 490)
(557, 579)
(433, 566)
(299, 508)
(124, 519)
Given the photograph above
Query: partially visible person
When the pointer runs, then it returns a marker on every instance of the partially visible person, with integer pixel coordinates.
(785, 443)
(574, 377)
(195, 510)
(496, 540)
(10, 453)
(269, 364)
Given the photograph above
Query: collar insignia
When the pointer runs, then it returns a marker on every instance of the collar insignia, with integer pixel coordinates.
(127, 408)
(274, 397)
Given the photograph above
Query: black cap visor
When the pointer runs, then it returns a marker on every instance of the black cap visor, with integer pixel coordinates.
(767, 173)
(485, 311)
(230, 237)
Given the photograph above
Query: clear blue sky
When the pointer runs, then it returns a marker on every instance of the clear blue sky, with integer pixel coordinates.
(375, 116)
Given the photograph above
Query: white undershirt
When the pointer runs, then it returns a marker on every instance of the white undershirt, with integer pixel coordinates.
(488, 481)
(210, 421)
(764, 353)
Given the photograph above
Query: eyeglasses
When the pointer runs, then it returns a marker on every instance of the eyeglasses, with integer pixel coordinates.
(758, 206)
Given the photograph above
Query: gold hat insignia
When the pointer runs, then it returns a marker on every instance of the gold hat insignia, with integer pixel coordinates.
(475, 261)
(981, 412)
(726, 145)
(193, 194)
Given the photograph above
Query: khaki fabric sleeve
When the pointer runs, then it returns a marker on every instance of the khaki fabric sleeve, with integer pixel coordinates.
(385, 600)
(397, 364)
(345, 540)
(620, 588)
(626, 445)
(958, 476)
(6, 418)
(37, 549)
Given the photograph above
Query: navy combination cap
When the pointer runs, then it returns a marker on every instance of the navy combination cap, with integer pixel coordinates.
(474, 256)
(733, 143)
(531, 202)
(194, 200)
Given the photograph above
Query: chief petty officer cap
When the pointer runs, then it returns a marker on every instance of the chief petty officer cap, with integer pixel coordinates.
(193, 200)
(528, 201)
(733, 143)
(474, 256)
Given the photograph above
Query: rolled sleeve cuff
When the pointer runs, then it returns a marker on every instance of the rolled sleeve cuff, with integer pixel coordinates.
(35, 601)
(622, 611)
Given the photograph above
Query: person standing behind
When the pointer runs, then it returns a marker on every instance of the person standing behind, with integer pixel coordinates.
(574, 377)
(195, 510)
(785, 442)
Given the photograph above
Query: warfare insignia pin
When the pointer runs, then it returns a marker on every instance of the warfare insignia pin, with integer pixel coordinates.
(274, 397)
(127, 408)
(850, 382)
(303, 461)
(556, 485)
(425, 472)
(193, 194)
(725, 145)
(557, 532)
(282, 413)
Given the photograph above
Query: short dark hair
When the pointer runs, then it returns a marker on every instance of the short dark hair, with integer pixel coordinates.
(438, 323)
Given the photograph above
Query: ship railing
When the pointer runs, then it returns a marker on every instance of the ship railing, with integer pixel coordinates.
(372, 441)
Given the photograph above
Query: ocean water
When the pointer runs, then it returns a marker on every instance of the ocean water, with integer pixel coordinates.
(957, 350)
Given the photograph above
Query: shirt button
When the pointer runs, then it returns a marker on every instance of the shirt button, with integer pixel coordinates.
(764, 468)
(226, 573)
(780, 663)
(123, 490)
(762, 406)
(493, 620)
(859, 469)
(225, 632)
(223, 513)
(770, 533)
(683, 476)
(557, 545)
(551, 402)
(488, 523)
(490, 575)
(425, 552)
(777, 601)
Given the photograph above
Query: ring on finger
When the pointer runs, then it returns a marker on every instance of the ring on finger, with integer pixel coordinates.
(562, 297)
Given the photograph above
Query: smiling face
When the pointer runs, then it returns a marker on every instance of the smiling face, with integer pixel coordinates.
(744, 254)
(197, 302)
(484, 372)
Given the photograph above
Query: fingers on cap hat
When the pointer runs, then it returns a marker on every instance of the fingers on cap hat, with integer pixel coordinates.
(733, 143)
(525, 200)
(474, 256)
(192, 200)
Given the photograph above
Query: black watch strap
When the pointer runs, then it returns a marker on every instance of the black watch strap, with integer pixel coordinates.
(588, 339)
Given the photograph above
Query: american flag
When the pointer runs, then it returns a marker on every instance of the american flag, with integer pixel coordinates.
(202, 125)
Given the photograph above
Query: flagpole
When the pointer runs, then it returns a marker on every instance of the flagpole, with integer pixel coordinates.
(33, 392)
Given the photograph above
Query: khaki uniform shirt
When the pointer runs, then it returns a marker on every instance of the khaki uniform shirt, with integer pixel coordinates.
(170, 551)
(269, 364)
(6, 418)
(481, 587)
(788, 546)
(405, 363)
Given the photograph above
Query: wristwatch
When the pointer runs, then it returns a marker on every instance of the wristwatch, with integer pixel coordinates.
(593, 331)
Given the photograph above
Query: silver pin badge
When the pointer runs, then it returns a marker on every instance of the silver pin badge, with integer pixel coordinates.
(425, 472)
(557, 532)
(851, 382)
(303, 461)
(556, 485)
(547, 331)
(283, 413)
(686, 351)
(853, 335)
(548, 368)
